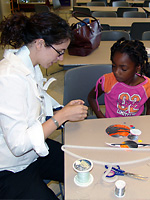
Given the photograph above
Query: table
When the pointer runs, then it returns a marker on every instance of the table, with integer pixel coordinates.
(92, 133)
(84, 2)
(147, 8)
(105, 8)
(100, 56)
(39, 3)
(130, 1)
(115, 23)
(99, 8)
(34, 2)
(29, 6)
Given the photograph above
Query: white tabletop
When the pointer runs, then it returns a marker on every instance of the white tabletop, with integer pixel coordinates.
(92, 133)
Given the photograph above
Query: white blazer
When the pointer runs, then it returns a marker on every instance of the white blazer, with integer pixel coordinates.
(23, 106)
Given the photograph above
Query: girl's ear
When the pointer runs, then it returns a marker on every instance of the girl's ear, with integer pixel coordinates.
(138, 69)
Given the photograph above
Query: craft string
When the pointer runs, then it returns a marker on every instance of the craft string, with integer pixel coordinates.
(64, 148)
(83, 177)
(120, 188)
(119, 192)
(83, 168)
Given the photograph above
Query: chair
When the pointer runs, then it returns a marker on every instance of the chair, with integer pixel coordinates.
(58, 9)
(104, 14)
(111, 1)
(146, 35)
(56, 4)
(121, 10)
(135, 14)
(83, 10)
(41, 8)
(14, 6)
(101, 1)
(79, 81)
(105, 27)
(120, 4)
(113, 35)
(96, 3)
(146, 3)
(137, 29)
(60, 188)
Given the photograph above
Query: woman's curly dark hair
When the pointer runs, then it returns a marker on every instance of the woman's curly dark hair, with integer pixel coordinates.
(18, 29)
(136, 52)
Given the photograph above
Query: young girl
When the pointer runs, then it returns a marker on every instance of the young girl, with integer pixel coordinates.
(126, 88)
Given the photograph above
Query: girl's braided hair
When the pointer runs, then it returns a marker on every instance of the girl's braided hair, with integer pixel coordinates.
(136, 52)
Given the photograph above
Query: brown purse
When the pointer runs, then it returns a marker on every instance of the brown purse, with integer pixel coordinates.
(87, 36)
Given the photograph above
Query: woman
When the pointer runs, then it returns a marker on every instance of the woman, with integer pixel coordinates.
(27, 156)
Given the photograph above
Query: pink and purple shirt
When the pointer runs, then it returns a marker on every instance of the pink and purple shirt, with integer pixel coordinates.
(123, 100)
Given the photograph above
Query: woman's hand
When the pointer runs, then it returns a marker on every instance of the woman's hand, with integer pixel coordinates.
(77, 102)
(75, 110)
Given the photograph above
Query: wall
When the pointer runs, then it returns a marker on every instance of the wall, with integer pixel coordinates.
(4, 8)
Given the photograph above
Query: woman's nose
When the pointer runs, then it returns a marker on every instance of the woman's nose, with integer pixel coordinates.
(61, 57)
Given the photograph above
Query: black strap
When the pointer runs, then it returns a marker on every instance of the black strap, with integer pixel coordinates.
(76, 12)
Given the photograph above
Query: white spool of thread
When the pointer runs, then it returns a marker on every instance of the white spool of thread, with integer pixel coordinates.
(120, 188)
(83, 168)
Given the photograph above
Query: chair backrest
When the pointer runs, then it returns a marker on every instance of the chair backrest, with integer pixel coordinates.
(121, 10)
(111, 1)
(79, 81)
(83, 10)
(137, 29)
(56, 4)
(135, 14)
(100, 1)
(41, 8)
(60, 187)
(96, 3)
(104, 14)
(120, 4)
(105, 27)
(146, 35)
(113, 35)
(146, 3)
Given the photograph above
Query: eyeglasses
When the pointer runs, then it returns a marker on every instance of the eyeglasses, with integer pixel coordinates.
(59, 52)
